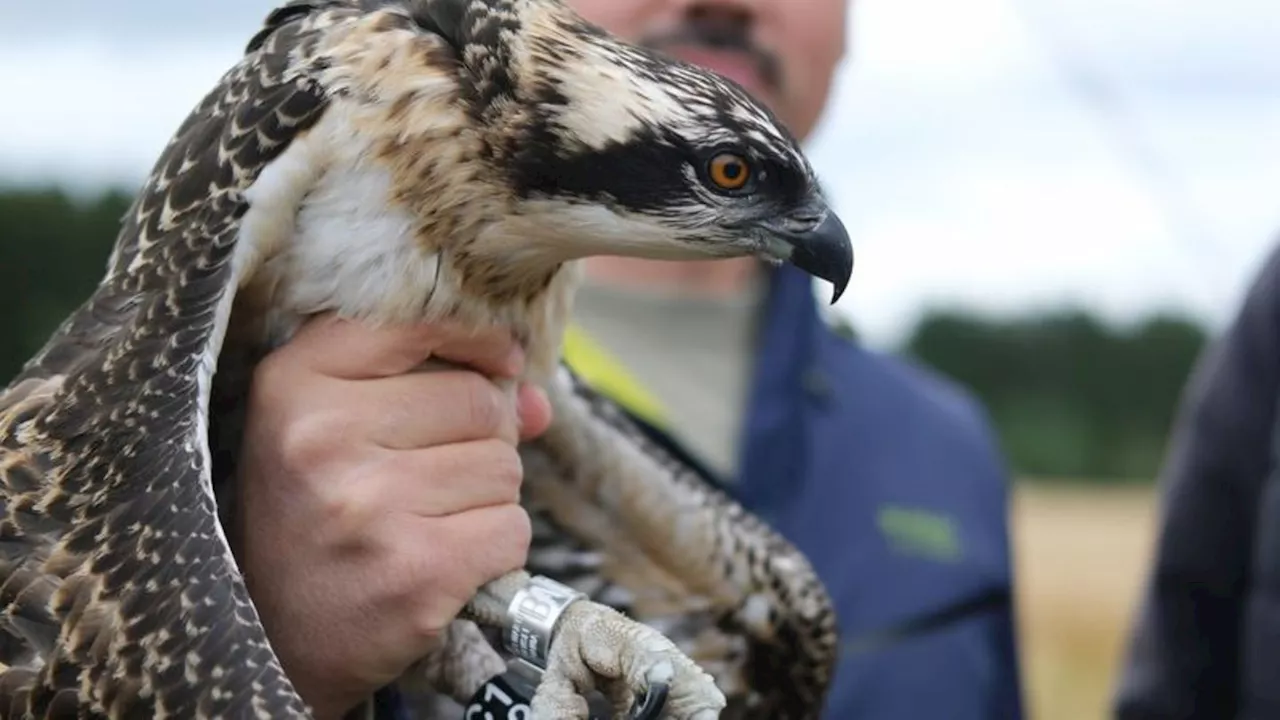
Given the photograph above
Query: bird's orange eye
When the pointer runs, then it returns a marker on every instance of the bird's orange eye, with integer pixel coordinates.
(729, 171)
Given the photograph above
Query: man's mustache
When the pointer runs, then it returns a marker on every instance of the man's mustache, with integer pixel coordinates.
(720, 37)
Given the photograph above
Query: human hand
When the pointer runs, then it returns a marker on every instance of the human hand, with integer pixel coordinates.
(374, 501)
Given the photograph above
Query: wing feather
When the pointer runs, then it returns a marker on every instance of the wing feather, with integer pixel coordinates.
(117, 586)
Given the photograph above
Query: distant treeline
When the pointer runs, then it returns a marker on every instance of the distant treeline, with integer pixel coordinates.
(1071, 397)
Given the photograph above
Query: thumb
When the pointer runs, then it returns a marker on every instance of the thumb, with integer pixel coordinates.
(349, 349)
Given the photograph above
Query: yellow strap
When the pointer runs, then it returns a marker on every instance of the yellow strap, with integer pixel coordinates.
(604, 373)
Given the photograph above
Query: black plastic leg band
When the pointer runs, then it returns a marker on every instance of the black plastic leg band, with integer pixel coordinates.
(502, 697)
(507, 696)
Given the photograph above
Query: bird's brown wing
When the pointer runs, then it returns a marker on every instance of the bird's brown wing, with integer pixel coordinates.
(628, 523)
(118, 592)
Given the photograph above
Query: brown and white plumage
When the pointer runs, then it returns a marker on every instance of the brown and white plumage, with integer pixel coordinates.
(394, 161)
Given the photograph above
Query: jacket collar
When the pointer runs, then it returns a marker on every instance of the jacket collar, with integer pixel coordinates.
(787, 381)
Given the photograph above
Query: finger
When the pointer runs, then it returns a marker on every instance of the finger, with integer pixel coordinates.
(421, 410)
(485, 544)
(533, 411)
(451, 479)
(353, 350)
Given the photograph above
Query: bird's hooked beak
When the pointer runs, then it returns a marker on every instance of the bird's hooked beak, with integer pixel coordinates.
(824, 251)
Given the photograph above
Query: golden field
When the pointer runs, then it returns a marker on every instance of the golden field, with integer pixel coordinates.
(1081, 559)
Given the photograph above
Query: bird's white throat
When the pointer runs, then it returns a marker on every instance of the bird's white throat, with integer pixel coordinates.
(325, 233)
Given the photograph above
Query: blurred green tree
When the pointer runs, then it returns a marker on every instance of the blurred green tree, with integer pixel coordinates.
(1070, 396)
(53, 251)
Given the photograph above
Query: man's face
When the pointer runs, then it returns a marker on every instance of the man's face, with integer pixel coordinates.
(782, 51)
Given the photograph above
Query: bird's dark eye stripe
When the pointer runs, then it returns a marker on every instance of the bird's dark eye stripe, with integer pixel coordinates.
(644, 174)
(787, 183)
(649, 171)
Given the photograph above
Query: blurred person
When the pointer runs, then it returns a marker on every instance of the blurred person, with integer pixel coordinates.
(885, 475)
(1206, 636)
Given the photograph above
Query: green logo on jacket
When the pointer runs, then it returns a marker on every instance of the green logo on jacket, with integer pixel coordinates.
(918, 532)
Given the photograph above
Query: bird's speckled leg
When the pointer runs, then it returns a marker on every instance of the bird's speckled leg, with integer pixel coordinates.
(678, 547)
(596, 647)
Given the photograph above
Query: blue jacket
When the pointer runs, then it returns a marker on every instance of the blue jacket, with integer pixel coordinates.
(889, 479)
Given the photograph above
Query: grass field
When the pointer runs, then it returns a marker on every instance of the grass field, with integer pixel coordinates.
(1082, 555)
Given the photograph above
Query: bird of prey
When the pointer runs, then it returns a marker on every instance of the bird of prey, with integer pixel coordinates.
(398, 161)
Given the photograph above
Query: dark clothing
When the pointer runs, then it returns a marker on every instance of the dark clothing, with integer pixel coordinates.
(890, 481)
(1207, 639)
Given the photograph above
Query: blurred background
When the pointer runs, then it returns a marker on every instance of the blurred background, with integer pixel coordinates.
(1056, 202)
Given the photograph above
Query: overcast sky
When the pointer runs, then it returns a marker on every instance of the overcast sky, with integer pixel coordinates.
(994, 154)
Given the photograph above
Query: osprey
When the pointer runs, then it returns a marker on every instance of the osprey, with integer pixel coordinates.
(398, 161)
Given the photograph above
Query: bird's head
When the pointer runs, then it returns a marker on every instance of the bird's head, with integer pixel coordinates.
(612, 149)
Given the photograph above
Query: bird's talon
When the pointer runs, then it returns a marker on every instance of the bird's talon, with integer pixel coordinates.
(650, 706)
